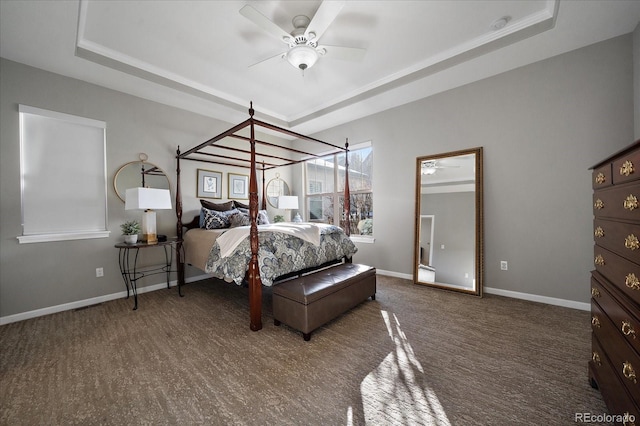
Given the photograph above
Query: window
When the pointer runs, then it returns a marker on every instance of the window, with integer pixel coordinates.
(63, 176)
(325, 189)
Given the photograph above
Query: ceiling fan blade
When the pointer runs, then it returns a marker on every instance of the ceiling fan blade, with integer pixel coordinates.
(279, 55)
(325, 15)
(344, 53)
(263, 22)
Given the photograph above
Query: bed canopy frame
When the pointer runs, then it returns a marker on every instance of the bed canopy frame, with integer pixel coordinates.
(212, 152)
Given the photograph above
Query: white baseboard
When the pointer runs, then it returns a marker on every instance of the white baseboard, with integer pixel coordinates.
(88, 302)
(508, 293)
(394, 274)
(542, 299)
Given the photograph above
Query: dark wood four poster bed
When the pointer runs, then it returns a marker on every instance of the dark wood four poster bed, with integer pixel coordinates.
(252, 158)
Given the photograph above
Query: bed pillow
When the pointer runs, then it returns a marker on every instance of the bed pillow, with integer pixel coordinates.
(213, 219)
(221, 207)
(237, 204)
(263, 217)
(239, 219)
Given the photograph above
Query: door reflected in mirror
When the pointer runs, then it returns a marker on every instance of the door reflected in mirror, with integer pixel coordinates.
(448, 222)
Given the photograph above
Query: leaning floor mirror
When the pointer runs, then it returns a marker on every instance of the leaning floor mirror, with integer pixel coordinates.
(449, 221)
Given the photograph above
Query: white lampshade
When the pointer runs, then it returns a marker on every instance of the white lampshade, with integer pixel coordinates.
(288, 202)
(147, 199)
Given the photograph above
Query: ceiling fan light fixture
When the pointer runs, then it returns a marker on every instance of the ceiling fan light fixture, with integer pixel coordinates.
(428, 167)
(303, 57)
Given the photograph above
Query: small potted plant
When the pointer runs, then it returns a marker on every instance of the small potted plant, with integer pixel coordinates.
(278, 218)
(130, 230)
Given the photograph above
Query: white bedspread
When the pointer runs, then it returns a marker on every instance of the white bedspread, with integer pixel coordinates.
(309, 232)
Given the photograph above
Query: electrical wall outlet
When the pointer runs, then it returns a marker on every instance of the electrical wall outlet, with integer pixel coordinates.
(99, 272)
(504, 266)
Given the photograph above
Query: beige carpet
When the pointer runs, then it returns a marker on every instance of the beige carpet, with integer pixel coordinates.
(414, 356)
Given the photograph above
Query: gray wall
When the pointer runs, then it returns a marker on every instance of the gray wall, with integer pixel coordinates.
(542, 126)
(35, 276)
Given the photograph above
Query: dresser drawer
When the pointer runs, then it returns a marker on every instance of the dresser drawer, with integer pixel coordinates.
(620, 272)
(628, 325)
(624, 360)
(618, 400)
(626, 168)
(618, 202)
(619, 237)
(601, 177)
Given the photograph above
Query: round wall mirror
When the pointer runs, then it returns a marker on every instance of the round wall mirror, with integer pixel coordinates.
(139, 174)
(275, 188)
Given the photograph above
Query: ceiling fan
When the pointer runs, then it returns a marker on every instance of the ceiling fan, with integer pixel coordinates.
(303, 48)
(431, 166)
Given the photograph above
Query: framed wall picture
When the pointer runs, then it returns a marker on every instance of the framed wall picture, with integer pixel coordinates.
(209, 184)
(238, 186)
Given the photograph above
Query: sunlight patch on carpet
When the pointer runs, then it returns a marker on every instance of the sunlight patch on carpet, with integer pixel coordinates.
(397, 390)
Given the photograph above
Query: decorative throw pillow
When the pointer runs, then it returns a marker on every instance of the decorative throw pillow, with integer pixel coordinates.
(239, 219)
(212, 219)
(237, 204)
(263, 217)
(221, 207)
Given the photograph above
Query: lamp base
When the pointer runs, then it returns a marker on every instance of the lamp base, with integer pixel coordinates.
(149, 227)
(150, 238)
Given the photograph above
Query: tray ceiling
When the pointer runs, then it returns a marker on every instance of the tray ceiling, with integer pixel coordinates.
(204, 56)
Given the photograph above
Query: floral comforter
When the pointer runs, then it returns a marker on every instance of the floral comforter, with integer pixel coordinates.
(280, 254)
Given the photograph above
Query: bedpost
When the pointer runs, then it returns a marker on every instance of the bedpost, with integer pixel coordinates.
(347, 194)
(179, 259)
(255, 284)
(264, 189)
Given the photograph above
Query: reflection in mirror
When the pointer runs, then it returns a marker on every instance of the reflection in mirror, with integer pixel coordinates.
(448, 223)
(138, 174)
(275, 188)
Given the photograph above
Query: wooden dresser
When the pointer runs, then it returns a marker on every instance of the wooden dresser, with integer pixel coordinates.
(614, 368)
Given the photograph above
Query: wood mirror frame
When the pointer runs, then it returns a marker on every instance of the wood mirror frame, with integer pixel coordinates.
(451, 181)
(137, 174)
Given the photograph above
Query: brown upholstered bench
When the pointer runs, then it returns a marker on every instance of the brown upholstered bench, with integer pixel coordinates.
(310, 301)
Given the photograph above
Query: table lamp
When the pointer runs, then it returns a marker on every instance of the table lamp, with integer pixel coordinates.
(289, 202)
(148, 199)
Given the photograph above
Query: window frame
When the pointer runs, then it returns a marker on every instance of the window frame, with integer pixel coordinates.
(68, 131)
(338, 194)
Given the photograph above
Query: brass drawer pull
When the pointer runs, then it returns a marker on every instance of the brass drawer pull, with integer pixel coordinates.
(596, 358)
(629, 372)
(631, 242)
(630, 203)
(599, 232)
(599, 260)
(632, 281)
(627, 329)
(595, 292)
(627, 168)
(600, 178)
(595, 321)
(599, 204)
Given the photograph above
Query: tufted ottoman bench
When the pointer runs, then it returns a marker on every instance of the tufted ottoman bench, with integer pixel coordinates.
(307, 302)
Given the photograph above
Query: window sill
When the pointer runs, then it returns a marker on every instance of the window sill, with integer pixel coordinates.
(368, 239)
(43, 238)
